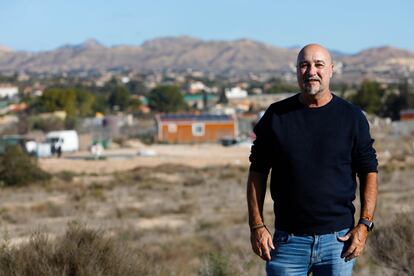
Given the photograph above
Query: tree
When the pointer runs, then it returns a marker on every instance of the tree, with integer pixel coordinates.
(369, 97)
(85, 102)
(136, 87)
(75, 101)
(119, 98)
(166, 99)
(54, 99)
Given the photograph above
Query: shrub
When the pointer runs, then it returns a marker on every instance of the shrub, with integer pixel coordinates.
(215, 264)
(393, 245)
(66, 176)
(18, 168)
(80, 251)
(47, 124)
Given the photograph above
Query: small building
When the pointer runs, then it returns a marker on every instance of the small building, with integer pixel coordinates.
(235, 93)
(8, 91)
(190, 128)
(407, 115)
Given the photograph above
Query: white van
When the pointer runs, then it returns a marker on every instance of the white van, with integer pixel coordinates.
(68, 140)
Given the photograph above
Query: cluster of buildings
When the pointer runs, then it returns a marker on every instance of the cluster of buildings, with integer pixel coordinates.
(222, 109)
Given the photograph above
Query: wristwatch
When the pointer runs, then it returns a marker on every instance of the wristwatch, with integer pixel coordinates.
(369, 224)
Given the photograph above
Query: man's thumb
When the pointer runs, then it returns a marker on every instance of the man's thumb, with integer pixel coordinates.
(344, 238)
(271, 244)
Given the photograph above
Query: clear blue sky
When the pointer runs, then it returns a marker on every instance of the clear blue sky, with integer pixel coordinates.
(348, 26)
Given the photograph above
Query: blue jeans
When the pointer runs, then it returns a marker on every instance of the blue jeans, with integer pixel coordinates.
(303, 254)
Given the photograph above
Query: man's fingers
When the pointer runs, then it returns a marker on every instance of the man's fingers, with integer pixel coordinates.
(353, 255)
(265, 252)
(262, 244)
(349, 252)
(259, 251)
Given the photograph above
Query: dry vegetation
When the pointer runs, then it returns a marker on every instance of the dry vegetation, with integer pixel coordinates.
(169, 219)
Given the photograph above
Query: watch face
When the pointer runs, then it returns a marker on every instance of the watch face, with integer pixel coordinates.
(371, 226)
(367, 223)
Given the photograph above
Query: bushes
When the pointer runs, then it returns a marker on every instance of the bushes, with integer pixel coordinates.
(393, 245)
(80, 251)
(17, 168)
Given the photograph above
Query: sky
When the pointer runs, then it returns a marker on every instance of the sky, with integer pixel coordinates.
(346, 26)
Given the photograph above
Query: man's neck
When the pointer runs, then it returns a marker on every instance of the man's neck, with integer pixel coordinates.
(315, 101)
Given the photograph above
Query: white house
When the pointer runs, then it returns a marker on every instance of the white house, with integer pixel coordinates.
(8, 91)
(235, 93)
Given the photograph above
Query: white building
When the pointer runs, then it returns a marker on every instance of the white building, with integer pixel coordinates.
(235, 93)
(8, 91)
(196, 87)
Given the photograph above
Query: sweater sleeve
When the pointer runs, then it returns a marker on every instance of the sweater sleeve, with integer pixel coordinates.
(260, 159)
(364, 154)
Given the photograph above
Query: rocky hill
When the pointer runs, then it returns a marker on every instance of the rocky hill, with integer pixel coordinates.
(181, 53)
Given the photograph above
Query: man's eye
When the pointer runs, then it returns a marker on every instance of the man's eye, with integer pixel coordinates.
(319, 65)
(303, 65)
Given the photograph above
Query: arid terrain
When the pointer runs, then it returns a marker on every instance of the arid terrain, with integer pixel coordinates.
(182, 207)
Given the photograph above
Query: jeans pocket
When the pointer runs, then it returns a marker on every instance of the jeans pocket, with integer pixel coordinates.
(281, 237)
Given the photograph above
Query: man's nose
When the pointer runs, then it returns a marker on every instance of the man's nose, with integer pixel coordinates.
(312, 70)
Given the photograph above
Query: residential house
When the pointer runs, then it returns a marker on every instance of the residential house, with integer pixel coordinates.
(191, 128)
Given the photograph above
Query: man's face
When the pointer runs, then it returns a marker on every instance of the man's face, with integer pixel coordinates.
(314, 69)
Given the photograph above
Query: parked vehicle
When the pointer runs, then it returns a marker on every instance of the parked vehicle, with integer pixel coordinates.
(64, 140)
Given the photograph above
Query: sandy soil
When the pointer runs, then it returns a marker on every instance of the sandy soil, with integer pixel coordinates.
(126, 159)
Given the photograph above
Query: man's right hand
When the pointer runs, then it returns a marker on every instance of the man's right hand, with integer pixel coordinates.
(262, 242)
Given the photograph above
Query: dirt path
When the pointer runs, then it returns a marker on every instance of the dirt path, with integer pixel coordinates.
(126, 159)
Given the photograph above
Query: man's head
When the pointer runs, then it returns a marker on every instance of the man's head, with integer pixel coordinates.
(314, 69)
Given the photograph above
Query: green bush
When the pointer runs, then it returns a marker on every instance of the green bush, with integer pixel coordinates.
(18, 168)
(47, 124)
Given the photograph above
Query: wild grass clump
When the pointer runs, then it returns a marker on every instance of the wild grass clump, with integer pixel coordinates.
(215, 264)
(80, 251)
(66, 176)
(393, 245)
(18, 168)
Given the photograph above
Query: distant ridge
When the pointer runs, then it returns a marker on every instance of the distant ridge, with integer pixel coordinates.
(184, 52)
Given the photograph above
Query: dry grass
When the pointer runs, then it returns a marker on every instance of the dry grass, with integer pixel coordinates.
(175, 219)
(80, 251)
(393, 245)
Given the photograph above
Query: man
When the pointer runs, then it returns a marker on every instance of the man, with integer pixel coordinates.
(315, 144)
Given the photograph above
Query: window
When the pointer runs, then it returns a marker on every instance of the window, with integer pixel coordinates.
(198, 129)
(172, 128)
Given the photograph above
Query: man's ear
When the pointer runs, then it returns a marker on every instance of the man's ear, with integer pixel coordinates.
(332, 70)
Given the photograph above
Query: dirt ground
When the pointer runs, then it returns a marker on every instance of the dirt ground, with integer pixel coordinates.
(183, 205)
(126, 159)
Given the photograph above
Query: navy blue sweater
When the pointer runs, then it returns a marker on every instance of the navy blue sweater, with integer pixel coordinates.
(315, 155)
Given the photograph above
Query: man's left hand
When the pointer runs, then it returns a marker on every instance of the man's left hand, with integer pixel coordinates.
(357, 236)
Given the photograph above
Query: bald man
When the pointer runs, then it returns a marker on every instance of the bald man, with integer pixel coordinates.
(315, 144)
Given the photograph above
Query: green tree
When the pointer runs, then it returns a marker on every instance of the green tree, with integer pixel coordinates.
(134, 104)
(100, 104)
(75, 101)
(282, 88)
(136, 87)
(166, 99)
(369, 97)
(85, 102)
(54, 99)
(119, 98)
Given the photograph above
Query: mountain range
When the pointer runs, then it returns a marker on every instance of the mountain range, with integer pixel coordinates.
(181, 53)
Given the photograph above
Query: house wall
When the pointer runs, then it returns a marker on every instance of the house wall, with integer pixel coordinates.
(177, 132)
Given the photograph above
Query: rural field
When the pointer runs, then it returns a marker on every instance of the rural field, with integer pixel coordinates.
(178, 211)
